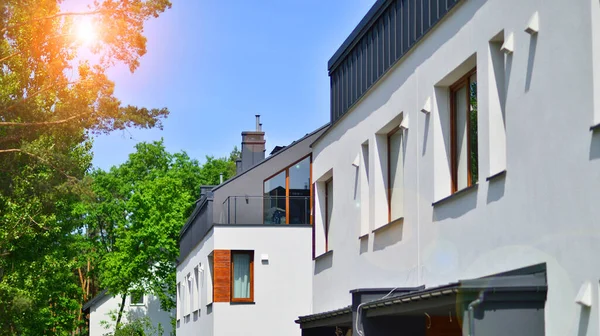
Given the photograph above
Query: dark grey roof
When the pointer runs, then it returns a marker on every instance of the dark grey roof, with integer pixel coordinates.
(325, 315)
(364, 25)
(272, 156)
(94, 300)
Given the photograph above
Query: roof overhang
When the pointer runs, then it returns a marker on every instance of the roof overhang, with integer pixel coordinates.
(338, 317)
(94, 300)
(526, 286)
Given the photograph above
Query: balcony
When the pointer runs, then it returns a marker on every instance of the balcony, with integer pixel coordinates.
(266, 210)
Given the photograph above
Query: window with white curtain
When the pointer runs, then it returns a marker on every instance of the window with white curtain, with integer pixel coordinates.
(242, 276)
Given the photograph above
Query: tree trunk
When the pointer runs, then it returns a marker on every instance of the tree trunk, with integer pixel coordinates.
(123, 296)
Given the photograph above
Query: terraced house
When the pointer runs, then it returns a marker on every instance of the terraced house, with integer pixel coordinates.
(245, 252)
(456, 189)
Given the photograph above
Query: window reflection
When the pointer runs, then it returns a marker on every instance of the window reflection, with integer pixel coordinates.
(274, 199)
(297, 209)
(300, 192)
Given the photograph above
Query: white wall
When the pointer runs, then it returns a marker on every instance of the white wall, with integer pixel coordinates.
(282, 286)
(151, 308)
(199, 322)
(544, 210)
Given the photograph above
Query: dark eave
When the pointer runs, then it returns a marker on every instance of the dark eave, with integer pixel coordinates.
(517, 281)
(326, 318)
(94, 300)
(199, 204)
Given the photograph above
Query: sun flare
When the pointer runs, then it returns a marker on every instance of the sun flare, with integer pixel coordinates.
(85, 30)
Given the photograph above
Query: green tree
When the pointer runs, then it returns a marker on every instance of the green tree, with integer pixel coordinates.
(51, 102)
(134, 218)
(214, 167)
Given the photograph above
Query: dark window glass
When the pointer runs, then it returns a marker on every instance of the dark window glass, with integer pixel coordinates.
(300, 192)
(274, 199)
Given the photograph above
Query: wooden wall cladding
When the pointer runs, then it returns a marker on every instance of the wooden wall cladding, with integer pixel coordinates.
(222, 276)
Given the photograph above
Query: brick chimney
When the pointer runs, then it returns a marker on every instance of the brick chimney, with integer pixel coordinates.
(253, 148)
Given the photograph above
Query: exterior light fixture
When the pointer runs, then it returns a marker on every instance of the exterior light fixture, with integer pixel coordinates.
(356, 162)
(533, 27)
(584, 297)
(404, 123)
(509, 44)
(427, 106)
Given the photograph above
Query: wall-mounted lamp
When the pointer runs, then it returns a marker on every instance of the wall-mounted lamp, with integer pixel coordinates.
(264, 257)
(584, 297)
(404, 123)
(356, 162)
(509, 44)
(427, 106)
(533, 27)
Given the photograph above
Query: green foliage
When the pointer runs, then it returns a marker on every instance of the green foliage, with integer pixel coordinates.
(135, 326)
(135, 218)
(51, 101)
(473, 132)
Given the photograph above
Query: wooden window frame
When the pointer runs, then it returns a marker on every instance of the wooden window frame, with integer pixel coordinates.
(251, 255)
(389, 172)
(287, 188)
(463, 81)
(327, 219)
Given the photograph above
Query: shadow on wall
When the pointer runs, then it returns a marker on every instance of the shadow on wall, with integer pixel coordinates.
(456, 205)
(323, 262)
(595, 145)
(389, 235)
(584, 321)
(427, 47)
(496, 188)
(364, 244)
(530, 60)
(425, 133)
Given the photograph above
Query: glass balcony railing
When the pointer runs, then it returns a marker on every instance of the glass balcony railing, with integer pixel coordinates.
(266, 210)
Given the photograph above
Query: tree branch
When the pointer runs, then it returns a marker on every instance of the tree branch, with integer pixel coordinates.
(39, 123)
(29, 96)
(57, 15)
(16, 150)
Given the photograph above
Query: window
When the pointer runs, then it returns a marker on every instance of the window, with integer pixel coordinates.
(196, 280)
(242, 276)
(364, 190)
(395, 175)
(328, 209)
(136, 298)
(179, 301)
(463, 123)
(190, 294)
(287, 195)
(210, 280)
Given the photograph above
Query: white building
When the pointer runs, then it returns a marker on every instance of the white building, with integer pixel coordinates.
(104, 305)
(464, 142)
(245, 253)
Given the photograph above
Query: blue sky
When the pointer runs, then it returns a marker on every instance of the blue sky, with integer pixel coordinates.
(215, 64)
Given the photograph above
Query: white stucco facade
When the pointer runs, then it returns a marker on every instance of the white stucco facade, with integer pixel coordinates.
(282, 283)
(101, 310)
(544, 208)
(231, 219)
